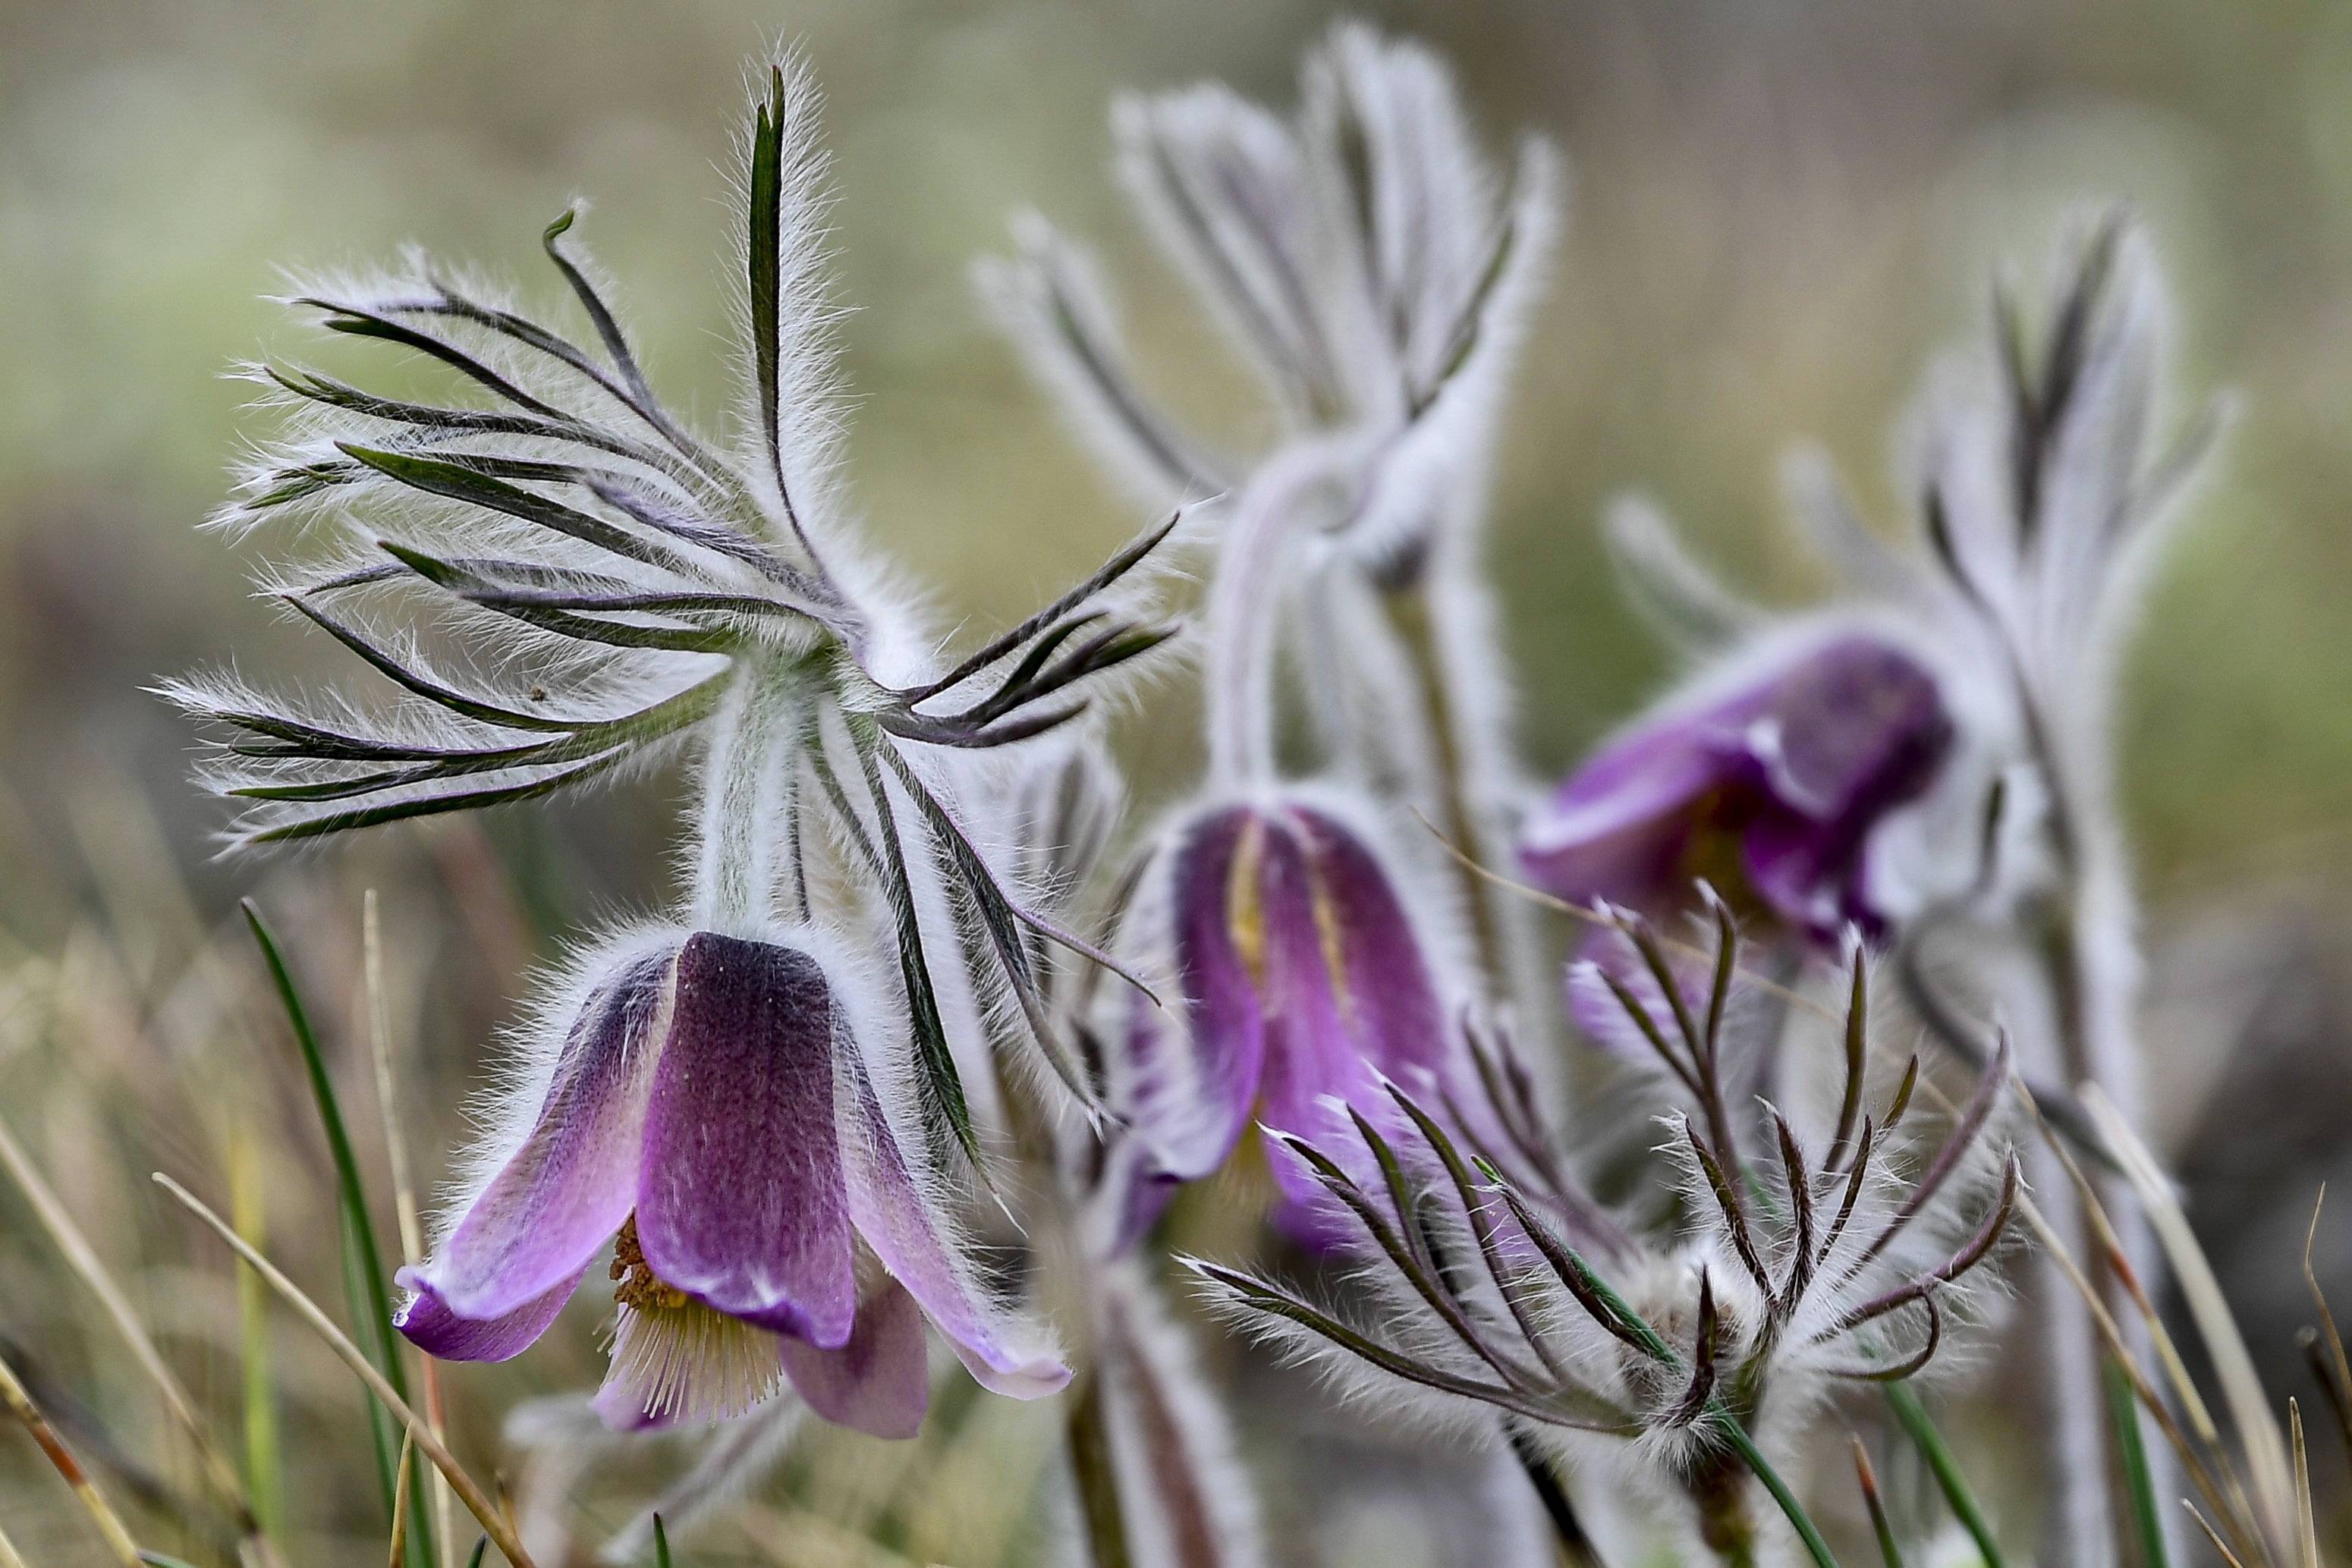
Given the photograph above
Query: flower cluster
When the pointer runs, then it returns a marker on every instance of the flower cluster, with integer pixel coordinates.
(768, 1112)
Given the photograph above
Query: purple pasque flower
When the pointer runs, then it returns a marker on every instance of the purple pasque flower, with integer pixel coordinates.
(1304, 980)
(1769, 787)
(717, 1109)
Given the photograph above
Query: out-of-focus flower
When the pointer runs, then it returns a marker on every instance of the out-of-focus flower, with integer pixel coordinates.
(1368, 261)
(1767, 784)
(1304, 979)
(718, 1110)
(2050, 474)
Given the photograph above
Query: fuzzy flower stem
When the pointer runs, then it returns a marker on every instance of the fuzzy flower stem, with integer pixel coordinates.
(1576, 1548)
(1097, 1478)
(742, 822)
(1242, 602)
(1411, 614)
(1465, 747)
(2087, 956)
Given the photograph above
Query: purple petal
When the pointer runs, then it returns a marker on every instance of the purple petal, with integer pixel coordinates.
(1858, 725)
(1615, 828)
(429, 1325)
(1309, 1056)
(1388, 998)
(740, 1201)
(900, 1214)
(1195, 1101)
(554, 1205)
(1795, 767)
(879, 1382)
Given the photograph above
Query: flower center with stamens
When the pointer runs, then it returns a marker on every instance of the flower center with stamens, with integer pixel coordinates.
(676, 1358)
(638, 1285)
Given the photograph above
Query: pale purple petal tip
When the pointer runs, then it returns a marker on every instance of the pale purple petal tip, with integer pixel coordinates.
(568, 1188)
(879, 1382)
(899, 1215)
(425, 1319)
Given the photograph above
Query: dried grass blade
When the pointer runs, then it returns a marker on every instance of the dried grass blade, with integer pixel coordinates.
(1889, 1550)
(2306, 1532)
(264, 1466)
(493, 1522)
(84, 1260)
(400, 1495)
(109, 1523)
(2266, 1452)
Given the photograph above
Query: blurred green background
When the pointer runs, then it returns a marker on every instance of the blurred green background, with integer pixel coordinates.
(1780, 210)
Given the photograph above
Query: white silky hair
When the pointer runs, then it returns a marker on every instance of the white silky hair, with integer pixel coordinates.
(503, 1115)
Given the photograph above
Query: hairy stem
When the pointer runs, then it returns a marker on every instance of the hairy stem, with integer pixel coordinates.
(1568, 1530)
(1097, 1478)
(1509, 948)
(742, 817)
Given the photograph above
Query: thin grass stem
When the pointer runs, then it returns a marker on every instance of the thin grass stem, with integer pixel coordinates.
(102, 1513)
(493, 1520)
(84, 1260)
(1912, 1416)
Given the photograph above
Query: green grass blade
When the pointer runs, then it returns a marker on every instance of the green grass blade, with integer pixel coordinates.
(1912, 1416)
(2123, 1407)
(370, 1295)
(661, 1544)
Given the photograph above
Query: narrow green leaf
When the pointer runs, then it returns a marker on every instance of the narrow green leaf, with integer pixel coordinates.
(1753, 1458)
(465, 483)
(1912, 1416)
(661, 1543)
(370, 1297)
(765, 259)
(2123, 1407)
(942, 1087)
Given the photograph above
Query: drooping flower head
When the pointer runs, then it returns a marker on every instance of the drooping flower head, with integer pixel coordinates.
(1304, 979)
(724, 1116)
(1766, 782)
(630, 590)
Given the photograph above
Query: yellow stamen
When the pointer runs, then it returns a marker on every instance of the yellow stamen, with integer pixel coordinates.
(676, 1357)
(639, 1286)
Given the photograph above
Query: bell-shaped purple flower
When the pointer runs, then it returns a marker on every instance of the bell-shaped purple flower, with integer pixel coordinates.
(1304, 983)
(1770, 789)
(712, 1113)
